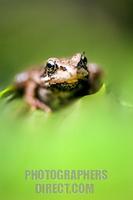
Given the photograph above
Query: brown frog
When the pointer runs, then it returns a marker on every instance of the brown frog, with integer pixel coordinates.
(58, 81)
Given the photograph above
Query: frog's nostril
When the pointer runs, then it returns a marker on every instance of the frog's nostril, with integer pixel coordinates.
(63, 68)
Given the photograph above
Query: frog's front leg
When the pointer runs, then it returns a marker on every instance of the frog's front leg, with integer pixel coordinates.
(95, 77)
(32, 100)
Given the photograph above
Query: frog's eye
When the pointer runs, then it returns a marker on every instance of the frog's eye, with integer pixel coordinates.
(83, 61)
(51, 67)
(83, 58)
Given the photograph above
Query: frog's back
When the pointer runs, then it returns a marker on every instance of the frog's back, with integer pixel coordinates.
(22, 79)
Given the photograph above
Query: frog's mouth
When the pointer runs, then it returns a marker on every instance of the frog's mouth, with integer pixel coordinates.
(54, 80)
(64, 78)
(64, 86)
(71, 85)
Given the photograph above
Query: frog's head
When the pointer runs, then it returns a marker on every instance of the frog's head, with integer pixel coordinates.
(67, 71)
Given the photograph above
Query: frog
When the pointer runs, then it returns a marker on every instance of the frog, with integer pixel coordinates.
(58, 81)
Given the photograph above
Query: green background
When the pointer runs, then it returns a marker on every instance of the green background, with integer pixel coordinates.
(94, 132)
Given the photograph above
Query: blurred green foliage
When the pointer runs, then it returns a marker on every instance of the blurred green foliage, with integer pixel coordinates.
(93, 132)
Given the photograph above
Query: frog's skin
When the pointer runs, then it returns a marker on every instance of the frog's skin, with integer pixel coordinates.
(58, 81)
